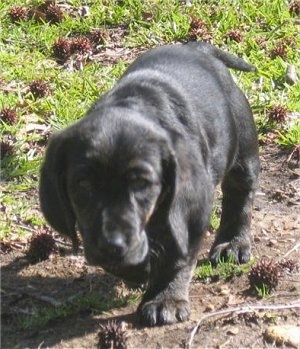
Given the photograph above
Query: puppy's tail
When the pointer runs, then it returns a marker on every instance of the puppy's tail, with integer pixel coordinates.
(228, 59)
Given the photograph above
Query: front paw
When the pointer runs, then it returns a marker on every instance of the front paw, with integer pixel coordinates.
(167, 311)
(238, 250)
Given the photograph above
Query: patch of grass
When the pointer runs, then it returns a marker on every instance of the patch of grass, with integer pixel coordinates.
(262, 291)
(91, 303)
(290, 136)
(214, 219)
(20, 213)
(224, 270)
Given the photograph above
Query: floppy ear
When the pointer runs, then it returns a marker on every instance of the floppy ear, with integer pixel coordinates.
(54, 200)
(169, 166)
(169, 208)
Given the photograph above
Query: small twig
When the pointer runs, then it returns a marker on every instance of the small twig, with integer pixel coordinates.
(41, 345)
(42, 298)
(32, 230)
(61, 242)
(68, 244)
(296, 151)
(49, 300)
(25, 227)
(292, 250)
(242, 309)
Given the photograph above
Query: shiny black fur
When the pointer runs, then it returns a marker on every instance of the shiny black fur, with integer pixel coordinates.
(137, 175)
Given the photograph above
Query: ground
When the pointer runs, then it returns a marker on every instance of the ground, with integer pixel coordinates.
(27, 288)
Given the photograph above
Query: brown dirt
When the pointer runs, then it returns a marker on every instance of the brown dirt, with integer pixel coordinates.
(276, 229)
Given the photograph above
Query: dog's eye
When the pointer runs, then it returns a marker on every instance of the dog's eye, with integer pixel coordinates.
(137, 182)
(84, 184)
(81, 191)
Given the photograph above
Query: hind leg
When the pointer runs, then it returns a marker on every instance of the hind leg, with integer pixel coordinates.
(233, 236)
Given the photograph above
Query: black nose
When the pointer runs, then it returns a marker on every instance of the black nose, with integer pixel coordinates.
(113, 246)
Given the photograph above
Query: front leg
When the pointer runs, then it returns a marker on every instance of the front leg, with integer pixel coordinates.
(166, 299)
(175, 245)
(233, 237)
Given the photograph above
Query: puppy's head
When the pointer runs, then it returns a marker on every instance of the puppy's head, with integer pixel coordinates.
(109, 176)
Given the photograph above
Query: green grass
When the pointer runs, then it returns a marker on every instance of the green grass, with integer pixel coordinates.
(263, 291)
(290, 136)
(224, 270)
(26, 54)
(214, 219)
(86, 303)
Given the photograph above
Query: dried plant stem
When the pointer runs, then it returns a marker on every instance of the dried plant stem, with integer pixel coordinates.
(247, 308)
(296, 247)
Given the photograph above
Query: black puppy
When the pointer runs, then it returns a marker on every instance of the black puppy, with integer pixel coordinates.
(137, 174)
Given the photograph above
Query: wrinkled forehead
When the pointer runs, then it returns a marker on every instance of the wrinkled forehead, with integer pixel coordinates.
(117, 144)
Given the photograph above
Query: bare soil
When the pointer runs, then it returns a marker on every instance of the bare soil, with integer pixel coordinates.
(276, 230)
